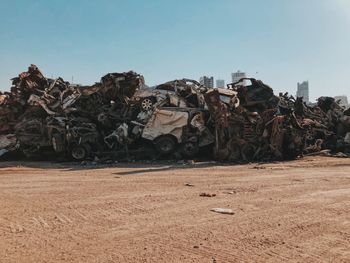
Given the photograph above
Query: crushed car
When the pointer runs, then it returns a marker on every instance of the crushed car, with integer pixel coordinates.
(120, 118)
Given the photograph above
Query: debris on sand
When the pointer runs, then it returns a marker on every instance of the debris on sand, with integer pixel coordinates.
(225, 211)
(207, 195)
(230, 192)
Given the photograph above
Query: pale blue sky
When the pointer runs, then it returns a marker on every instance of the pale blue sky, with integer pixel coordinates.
(285, 41)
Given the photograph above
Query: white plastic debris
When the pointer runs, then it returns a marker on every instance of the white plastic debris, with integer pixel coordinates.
(225, 211)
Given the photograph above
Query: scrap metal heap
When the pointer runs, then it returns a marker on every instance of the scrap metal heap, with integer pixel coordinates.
(119, 118)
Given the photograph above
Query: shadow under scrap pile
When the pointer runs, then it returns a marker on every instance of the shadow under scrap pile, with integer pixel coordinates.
(120, 118)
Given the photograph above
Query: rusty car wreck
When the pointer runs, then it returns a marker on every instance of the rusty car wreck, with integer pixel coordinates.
(119, 118)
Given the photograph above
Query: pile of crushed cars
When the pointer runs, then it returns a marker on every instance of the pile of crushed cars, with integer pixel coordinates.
(120, 118)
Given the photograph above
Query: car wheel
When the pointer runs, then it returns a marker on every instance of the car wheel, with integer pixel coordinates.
(147, 104)
(248, 151)
(79, 152)
(189, 149)
(165, 144)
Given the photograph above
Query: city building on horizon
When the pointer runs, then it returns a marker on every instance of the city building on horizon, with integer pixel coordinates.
(220, 83)
(207, 81)
(343, 100)
(236, 76)
(303, 91)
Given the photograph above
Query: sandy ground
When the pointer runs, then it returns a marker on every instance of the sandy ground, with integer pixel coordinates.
(295, 211)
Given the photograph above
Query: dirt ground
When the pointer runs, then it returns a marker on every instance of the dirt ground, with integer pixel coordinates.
(296, 211)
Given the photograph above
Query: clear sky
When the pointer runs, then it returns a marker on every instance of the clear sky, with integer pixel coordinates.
(279, 41)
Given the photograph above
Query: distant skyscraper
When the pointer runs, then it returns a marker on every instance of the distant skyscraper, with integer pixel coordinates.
(207, 81)
(220, 83)
(236, 76)
(343, 101)
(303, 91)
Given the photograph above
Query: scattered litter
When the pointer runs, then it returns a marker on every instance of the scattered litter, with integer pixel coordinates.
(207, 195)
(230, 193)
(223, 211)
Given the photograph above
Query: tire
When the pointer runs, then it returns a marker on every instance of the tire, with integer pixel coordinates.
(189, 149)
(147, 103)
(80, 152)
(165, 144)
(248, 151)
